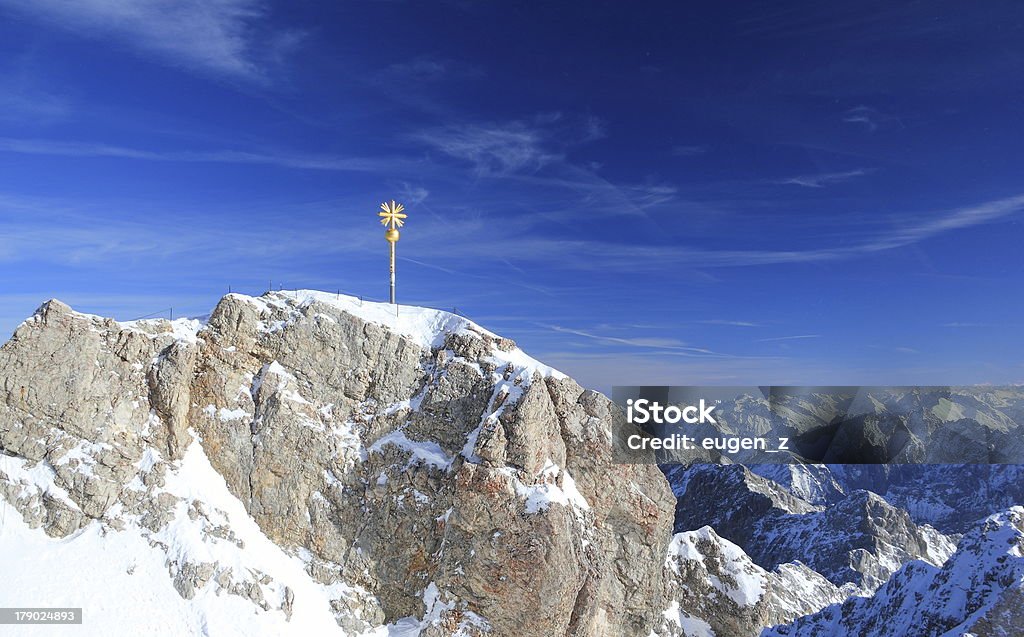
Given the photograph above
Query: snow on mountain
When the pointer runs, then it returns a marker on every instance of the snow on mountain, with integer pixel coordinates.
(131, 567)
(426, 327)
(978, 591)
(858, 539)
(950, 497)
(812, 483)
(718, 590)
(308, 463)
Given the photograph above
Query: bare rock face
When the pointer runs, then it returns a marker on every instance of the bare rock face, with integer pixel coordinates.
(75, 404)
(418, 465)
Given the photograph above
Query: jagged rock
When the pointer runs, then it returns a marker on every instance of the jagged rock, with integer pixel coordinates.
(341, 466)
(978, 591)
(169, 392)
(860, 539)
(418, 465)
(716, 585)
(190, 577)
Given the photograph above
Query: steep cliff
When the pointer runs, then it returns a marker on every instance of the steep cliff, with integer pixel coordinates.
(321, 458)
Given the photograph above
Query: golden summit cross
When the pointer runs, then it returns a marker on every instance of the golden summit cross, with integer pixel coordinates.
(393, 217)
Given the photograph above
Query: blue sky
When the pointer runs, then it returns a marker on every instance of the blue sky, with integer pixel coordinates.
(638, 193)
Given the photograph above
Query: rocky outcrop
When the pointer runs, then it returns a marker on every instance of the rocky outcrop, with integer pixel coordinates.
(859, 539)
(337, 466)
(719, 590)
(419, 467)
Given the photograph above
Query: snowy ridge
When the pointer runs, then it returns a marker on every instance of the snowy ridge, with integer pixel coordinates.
(426, 327)
(718, 590)
(978, 589)
(182, 329)
(735, 575)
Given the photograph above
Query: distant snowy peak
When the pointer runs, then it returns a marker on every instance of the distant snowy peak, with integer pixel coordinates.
(978, 591)
(813, 483)
(950, 497)
(859, 538)
(719, 590)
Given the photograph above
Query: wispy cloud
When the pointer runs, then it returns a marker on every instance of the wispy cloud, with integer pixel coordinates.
(22, 104)
(25, 96)
(729, 323)
(870, 118)
(535, 153)
(284, 158)
(67, 232)
(670, 344)
(904, 230)
(798, 337)
(499, 149)
(514, 147)
(966, 325)
(689, 151)
(957, 219)
(227, 37)
(412, 195)
(61, 230)
(594, 128)
(603, 370)
(897, 349)
(824, 179)
(420, 69)
(428, 69)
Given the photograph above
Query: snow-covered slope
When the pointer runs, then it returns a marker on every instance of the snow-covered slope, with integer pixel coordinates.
(978, 591)
(718, 590)
(426, 327)
(856, 538)
(308, 463)
(136, 566)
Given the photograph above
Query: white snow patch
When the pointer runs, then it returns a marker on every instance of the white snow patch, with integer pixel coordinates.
(122, 582)
(224, 414)
(40, 477)
(435, 609)
(746, 581)
(421, 451)
(543, 494)
(691, 626)
(183, 329)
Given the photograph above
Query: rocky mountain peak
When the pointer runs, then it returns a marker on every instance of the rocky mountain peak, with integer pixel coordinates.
(977, 591)
(404, 467)
(310, 463)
